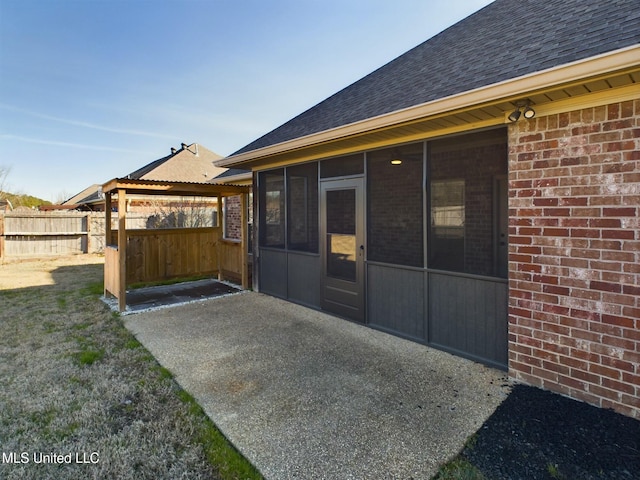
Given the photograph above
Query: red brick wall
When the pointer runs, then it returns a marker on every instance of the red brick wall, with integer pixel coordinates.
(232, 218)
(574, 255)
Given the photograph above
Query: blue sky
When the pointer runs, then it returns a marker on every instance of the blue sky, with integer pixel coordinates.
(94, 89)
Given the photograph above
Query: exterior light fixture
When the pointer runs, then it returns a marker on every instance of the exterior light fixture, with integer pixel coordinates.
(396, 157)
(528, 112)
(515, 115)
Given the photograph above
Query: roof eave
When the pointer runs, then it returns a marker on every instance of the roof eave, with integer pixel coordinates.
(239, 179)
(598, 65)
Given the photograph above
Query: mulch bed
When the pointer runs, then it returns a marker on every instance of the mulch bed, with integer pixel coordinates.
(535, 434)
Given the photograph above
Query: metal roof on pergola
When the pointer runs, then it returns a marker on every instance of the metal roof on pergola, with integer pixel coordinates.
(185, 189)
(116, 259)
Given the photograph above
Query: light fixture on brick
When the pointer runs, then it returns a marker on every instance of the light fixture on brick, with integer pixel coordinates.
(527, 112)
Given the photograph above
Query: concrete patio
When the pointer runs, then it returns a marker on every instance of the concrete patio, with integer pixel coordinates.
(303, 394)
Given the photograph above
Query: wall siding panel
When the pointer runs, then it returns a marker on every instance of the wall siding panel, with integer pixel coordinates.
(304, 273)
(395, 299)
(273, 272)
(468, 316)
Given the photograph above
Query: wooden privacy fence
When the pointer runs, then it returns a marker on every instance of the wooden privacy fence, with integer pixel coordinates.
(33, 234)
(36, 234)
(162, 254)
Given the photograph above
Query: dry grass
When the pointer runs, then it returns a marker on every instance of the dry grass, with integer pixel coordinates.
(75, 381)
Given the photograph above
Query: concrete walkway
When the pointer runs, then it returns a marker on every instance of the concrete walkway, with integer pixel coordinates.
(306, 395)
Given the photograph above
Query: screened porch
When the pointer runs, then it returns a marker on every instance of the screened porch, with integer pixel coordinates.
(411, 239)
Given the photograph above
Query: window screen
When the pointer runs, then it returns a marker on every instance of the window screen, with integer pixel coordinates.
(462, 198)
(447, 210)
(272, 209)
(342, 166)
(395, 205)
(341, 234)
(302, 202)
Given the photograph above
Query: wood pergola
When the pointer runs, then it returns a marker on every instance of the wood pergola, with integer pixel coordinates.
(116, 259)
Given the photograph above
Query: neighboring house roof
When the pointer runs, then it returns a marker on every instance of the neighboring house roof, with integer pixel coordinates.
(91, 194)
(5, 205)
(505, 40)
(88, 199)
(192, 163)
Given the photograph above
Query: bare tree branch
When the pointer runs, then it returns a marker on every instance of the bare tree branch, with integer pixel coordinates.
(4, 173)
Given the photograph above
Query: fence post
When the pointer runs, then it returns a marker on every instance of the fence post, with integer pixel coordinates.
(88, 218)
(1, 236)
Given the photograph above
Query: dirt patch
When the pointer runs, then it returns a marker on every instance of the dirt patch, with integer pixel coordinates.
(27, 273)
(80, 397)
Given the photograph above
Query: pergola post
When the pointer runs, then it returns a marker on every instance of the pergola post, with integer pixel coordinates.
(220, 235)
(107, 236)
(122, 249)
(243, 240)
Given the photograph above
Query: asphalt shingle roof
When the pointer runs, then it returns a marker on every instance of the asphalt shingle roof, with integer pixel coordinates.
(192, 163)
(506, 39)
(150, 167)
(88, 195)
